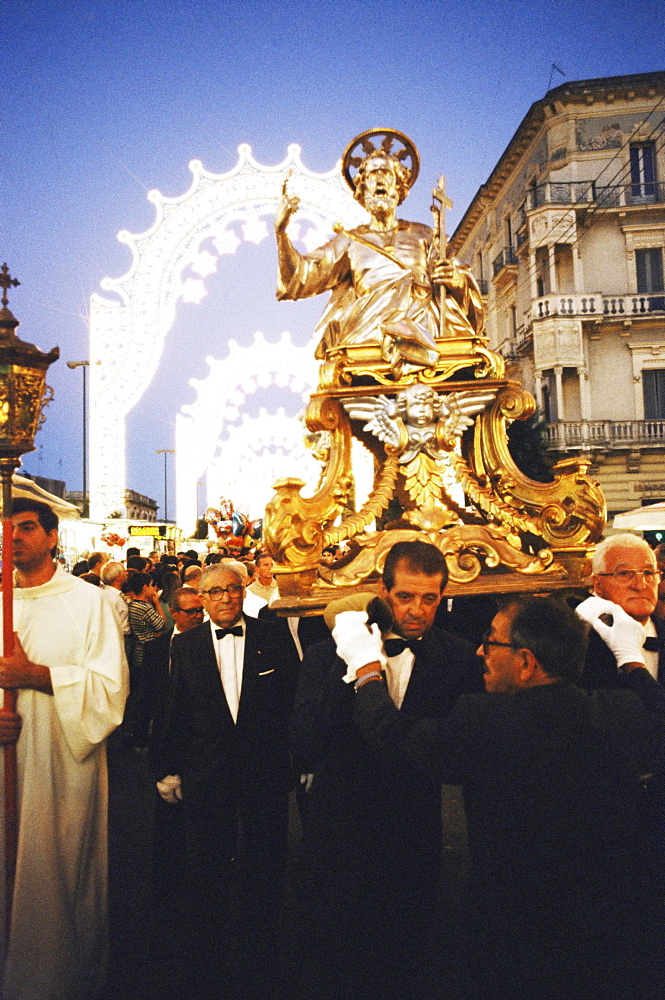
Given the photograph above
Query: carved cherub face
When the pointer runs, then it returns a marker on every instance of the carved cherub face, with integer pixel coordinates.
(418, 405)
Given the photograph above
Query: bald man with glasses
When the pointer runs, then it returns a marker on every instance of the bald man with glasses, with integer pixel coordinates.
(225, 757)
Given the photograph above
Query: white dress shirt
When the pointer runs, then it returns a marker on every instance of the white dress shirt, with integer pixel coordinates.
(398, 672)
(230, 654)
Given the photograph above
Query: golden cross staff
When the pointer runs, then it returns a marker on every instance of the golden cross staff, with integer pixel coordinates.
(441, 240)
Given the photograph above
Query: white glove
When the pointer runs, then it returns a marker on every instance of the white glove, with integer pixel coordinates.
(170, 789)
(357, 643)
(306, 782)
(625, 637)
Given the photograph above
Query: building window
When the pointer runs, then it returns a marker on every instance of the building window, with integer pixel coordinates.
(653, 386)
(649, 267)
(642, 171)
(550, 408)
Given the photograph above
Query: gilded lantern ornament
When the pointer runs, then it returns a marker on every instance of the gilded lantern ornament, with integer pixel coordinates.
(23, 389)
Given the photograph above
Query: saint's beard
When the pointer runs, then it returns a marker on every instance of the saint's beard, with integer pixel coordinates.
(380, 206)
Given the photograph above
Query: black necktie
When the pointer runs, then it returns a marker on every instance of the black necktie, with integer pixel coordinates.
(235, 630)
(653, 644)
(394, 647)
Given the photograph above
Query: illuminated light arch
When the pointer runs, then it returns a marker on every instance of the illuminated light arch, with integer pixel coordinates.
(127, 333)
(220, 398)
(253, 456)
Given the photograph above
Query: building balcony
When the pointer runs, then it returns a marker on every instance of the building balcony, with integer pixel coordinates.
(605, 435)
(597, 305)
(507, 258)
(513, 347)
(559, 193)
(591, 193)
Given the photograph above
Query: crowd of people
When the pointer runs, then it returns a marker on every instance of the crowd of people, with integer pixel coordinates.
(550, 717)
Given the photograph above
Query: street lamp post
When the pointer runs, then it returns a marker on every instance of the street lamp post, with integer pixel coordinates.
(165, 452)
(84, 365)
(23, 394)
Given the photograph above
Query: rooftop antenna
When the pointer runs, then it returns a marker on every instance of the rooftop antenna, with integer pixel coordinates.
(554, 67)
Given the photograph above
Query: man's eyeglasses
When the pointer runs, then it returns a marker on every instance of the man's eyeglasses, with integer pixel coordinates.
(487, 642)
(629, 576)
(190, 612)
(233, 591)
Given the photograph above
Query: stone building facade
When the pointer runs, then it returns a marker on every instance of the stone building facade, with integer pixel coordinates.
(567, 239)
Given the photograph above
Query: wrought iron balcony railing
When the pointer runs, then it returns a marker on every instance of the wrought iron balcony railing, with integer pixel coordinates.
(504, 259)
(590, 192)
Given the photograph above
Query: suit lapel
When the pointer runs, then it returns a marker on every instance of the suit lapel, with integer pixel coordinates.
(249, 664)
(419, 683)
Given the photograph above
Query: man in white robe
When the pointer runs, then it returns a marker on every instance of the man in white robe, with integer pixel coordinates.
(70, 671)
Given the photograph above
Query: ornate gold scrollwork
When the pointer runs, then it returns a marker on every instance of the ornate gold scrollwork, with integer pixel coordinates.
(467, 549)
(569, 511)
(375, 504)
(346, 367)
(294, 526)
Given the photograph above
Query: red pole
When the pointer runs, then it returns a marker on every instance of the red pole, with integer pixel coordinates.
(9, 701)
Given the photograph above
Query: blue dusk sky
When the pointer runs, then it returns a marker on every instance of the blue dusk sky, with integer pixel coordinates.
(104, 101)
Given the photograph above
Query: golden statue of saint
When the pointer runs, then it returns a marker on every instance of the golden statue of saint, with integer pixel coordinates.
(382, 275)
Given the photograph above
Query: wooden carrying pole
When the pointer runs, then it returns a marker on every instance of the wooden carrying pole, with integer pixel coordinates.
(22, 373)
(9, 700)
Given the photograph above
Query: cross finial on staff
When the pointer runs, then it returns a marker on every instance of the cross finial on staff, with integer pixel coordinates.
(6, 282)
(439, 195)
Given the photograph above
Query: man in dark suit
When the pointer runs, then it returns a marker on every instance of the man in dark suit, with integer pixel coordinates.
(550, 776)
(169, 835)
(225, 756)
(186, 609)
(625, 572)
(372, 848)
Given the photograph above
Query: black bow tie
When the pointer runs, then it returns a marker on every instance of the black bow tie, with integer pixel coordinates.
(394, 647)
(235, 630)
(653, 644)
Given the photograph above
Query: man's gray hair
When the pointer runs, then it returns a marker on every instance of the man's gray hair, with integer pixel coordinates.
(235, 567)
(111, 571)
(623, 541)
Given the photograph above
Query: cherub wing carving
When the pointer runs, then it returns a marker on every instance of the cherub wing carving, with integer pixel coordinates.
(463, 408)
(380, 414)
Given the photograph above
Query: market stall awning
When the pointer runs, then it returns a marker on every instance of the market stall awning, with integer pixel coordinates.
(650, 518)
(22, 487)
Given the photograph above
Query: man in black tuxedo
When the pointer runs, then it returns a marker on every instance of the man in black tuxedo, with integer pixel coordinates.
(551, 786)
(225, 756)
(372, 847)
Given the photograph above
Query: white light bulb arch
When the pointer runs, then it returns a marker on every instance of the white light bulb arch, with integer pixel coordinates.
(127, 332)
